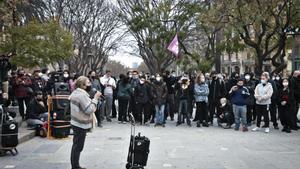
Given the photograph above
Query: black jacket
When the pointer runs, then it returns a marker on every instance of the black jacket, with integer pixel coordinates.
(34, 110)
(216, 90)
(159, 93)
(295, 86)
(142, 93)
(171, 82)
(286, 95)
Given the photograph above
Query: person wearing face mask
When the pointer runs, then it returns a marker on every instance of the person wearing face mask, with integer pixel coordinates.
(238, 95)
(142, 95)
(201, 98)
(96, 86)
(295, 86)
(109, 84)
(286, 102)
(36, 112)
(263, 93)
(225, 114)
(38, 84)
(159, 95)
(216, 92)
(82, 109)
(250, 101)
(22, 86)
(133, 81)
(274, 100)
(183, 95)
(170, 80)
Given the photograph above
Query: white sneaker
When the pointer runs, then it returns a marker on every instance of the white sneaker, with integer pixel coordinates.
(267, 130)
(256, 129)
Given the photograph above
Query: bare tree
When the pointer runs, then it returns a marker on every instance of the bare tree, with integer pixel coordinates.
(153, 24)
(96, 30)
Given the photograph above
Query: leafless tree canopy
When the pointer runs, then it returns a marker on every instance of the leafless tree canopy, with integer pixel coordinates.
(96, 29)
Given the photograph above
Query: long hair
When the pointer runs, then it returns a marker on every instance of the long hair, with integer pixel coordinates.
(198, 79)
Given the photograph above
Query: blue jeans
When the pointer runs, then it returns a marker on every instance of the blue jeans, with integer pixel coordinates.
(183, 112)
(160, 114)
(240, 114)
(108, 106)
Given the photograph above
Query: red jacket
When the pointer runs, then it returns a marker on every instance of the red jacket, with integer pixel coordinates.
(21, 85)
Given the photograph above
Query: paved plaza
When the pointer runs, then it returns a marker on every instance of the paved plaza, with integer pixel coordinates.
(171, 147)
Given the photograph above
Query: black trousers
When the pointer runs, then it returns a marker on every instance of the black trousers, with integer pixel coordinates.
(98, 114)
(273, 113)
(294, 115)
(113, 109)
(170, 109)
(212, 110)
(21, 105)
(285, 116)
(123, 109)
(201, 112)
(78, 144)
(140, 110)
(262, 111)
(250, 116)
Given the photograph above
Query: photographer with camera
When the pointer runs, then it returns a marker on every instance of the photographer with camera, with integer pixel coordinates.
(23, 91)
(82, 109)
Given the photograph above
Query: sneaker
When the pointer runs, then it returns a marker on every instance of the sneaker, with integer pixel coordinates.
(178, 123)
(198, 125)
(124, 122)
(227, 126)
(276, 127)
(163, 125)
(267, 130)
(256, 129)
(109, 120)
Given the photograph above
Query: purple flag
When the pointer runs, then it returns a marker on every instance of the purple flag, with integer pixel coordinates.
(174, 46)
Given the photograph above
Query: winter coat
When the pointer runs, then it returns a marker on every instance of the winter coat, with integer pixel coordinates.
(142, 93)
(239, 96)
(216, 90)
(124, 91)
(263, 94)
(201, 92)
(22, 86)
(159, 93)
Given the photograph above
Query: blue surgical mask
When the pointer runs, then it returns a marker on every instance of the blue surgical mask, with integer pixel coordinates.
(263, 81)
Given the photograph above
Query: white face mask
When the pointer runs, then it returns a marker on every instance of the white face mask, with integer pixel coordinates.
(40, 74)
(202, 80)
(158, 79)
(273, 78)
(285, 84)
(142, 81)
(247, 77)
(277, 78)
(223, 102)
(263, 81)
(66, 75)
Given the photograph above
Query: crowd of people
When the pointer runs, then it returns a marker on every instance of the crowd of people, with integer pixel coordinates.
(237, 101)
